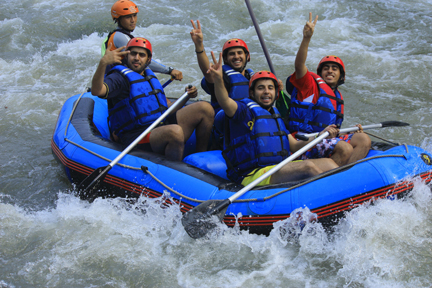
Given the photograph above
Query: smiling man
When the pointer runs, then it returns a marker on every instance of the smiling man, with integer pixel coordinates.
(235, 56)
(256, 138)
(136, 99)
(316, 101)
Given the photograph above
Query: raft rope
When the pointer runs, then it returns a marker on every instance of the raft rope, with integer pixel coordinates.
(73, 111)
(85, 149)
(320, 176)
(144, 169)
(385, 140)
(100, 156)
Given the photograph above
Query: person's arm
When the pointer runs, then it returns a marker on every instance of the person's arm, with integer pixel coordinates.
(120, 39)
(228, 105)
(203, 61)
(300, 61)
(295, 145)
(160, 68)
(110, 57)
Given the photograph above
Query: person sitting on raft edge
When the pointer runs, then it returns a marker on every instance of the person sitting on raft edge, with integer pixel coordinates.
(125, 14)
(127, 124)
(316, 101)
(256, 139)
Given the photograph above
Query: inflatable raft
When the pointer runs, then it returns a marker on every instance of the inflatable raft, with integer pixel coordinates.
(81, 144)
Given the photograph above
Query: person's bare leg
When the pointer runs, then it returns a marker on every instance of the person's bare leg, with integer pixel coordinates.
(324, 164)
(302, 170)
(198, 116)
(361, 144)
(342, 153)
(169, 141)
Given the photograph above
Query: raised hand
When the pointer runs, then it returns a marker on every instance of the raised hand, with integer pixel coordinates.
(215, 69)
(309, 28)
(196, 33)
(115, 56)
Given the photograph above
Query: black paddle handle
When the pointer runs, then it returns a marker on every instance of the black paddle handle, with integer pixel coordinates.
(221, 206)
(96, 180)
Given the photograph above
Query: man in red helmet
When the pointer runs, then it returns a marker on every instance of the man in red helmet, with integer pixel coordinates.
(316, 101)
(125, 14)
(236, 76)
(256, 138)
(235, 57)
(136, 99)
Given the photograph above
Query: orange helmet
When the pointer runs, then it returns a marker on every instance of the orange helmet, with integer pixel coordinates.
(123, 8)
(140, 42)
(333, 59)
(235, 43)
(264, 75)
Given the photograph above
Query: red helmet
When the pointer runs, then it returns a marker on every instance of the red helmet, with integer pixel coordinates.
(333, 59)
(264, 75)
(123, 8)
(140, 42)
(235, 43)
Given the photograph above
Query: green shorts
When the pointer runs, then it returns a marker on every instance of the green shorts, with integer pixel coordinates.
(255, 174)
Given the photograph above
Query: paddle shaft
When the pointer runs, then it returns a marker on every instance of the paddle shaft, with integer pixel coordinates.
(350, 129)
(260, 37)
(100, 173)
(151, 127)
(167, 83)
(372, 126)
(299, 152)
(279, 166)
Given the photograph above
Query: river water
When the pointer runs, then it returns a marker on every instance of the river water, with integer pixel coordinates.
(49, 238)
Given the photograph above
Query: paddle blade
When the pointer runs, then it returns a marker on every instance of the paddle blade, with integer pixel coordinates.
(91, 182)
(394, 124)
(201, 219)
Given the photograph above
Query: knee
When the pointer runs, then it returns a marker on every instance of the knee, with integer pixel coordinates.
(361, 139)
(205, 110)
(343, 149)
(174, 134)
(310, 169)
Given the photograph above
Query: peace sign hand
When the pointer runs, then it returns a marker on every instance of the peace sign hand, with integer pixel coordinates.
(215, 69)
(309, 28)
(115, 56)
(196, 33)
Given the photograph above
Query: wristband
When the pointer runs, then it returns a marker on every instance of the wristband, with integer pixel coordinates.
(199, 51)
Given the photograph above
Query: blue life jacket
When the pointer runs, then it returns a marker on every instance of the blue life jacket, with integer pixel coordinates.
(239, 85)
(146, 102)
(308, 117)
(266, 144)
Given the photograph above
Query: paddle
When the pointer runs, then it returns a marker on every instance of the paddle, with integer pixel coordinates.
(260, 37)
(199, 221)
(167, 82)
(91, 181)
(372, 126)
(282, 103)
